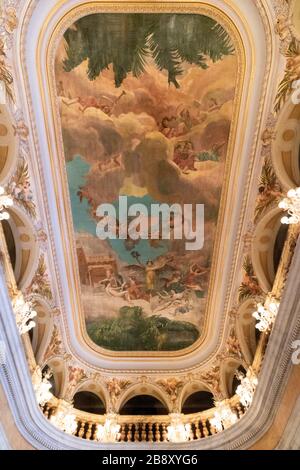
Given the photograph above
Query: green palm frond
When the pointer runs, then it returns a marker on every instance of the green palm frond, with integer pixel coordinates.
(41, 269)
(268, 176)
(166, 59)
(20, 178)
(269, 182)
(285, 87)
(7, 78)
(247, 266)
(22, 173)
(41, 278)
(126, 40)
(293, 49)
(139, 61)
(284, 90)
(5, 75)
(247, 290)
(244, 292)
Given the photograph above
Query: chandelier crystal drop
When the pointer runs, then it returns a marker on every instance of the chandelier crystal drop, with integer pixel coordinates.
(5, 202)
(110, 430)
(266, 315)
(24, 314)
(65, 422)
(224, 417)
(291, 204)
(177, 431)
(246, 389)
(42, 386)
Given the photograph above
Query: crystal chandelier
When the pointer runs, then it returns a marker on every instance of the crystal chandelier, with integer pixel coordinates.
(5, 201)
(265, 315)
(246, 389)
(41, 386)
(110, 431)
(291, 204)
(65, 421)
(224, 417)
(24, 313)
(178, 431)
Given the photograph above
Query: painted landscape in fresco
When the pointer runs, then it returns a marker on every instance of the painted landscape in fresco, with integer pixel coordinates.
(146, 106)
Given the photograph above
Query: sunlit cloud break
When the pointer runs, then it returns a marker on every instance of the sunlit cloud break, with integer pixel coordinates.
(163, 221)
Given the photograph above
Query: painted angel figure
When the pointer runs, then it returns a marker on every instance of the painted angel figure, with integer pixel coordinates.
(192, 280)
(150, 270)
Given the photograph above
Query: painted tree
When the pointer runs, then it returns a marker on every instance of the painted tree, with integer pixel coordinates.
(126, 41)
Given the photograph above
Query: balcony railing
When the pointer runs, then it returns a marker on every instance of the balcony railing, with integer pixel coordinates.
(149, 428)
(144, 428)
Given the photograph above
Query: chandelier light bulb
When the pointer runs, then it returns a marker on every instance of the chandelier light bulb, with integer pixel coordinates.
(292, 193)
(283, 205)
(24, 312)
(291, 204)
(266, 315)
(5, 201)
(224, 417)
(247, 387)
(177, 431)
(109, 431)
(42, 386)
(4, 215)
(65, 422)
(285, 220)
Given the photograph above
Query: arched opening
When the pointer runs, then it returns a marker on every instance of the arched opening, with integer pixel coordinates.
(235, 381)
(8, 143)
(21, 245)
(58, 368)
(198, 401)
(143, 405)
(88, 402)
(10, 242)
(229, 369)
(245, 329)
(43, 331)
(268, 239)
(285, 147)
(279, 245)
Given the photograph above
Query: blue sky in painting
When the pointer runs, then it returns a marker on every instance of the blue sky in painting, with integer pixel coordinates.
(77, 170)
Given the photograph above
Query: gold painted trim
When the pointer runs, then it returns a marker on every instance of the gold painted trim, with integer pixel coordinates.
(65, 22)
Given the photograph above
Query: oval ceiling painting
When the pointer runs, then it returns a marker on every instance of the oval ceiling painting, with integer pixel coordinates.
(146, 103)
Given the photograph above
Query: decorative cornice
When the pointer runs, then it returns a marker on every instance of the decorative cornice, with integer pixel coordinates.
(31, 6)
(22, 132)
(16, 381)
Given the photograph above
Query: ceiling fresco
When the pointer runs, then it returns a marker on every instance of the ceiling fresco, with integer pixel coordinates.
(146, 105)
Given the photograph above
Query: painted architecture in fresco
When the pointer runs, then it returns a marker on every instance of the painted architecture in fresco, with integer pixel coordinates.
(146, 106)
